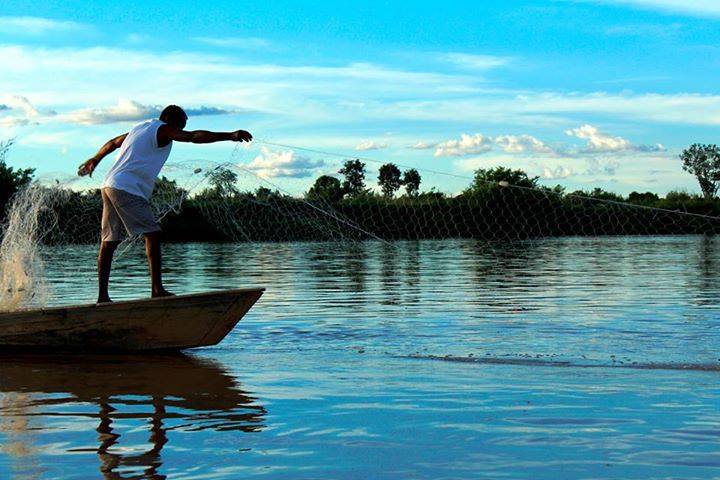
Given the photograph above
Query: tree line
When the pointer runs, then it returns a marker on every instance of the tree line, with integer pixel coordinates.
(498, 203)
(702, 161)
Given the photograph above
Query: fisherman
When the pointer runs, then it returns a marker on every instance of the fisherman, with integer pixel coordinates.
(129, 183)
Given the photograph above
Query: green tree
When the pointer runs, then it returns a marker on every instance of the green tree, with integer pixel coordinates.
(222, 183)
(557, 189)
(489, 177)
(432, 195)
(168, 190)
(11, 180)
(326, 188)
(389, 179)
(679, 196)
(647, 198)
(411, 180)
(684, 201)
(599, 194)
(265, 194)
(354, 173)
(703, 161)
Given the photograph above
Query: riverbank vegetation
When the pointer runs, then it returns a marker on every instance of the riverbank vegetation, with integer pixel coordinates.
(498, 204)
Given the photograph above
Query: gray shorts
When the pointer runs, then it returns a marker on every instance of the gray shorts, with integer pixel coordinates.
(125, 211)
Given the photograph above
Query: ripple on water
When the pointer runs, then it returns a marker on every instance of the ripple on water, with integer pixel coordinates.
(564, 358)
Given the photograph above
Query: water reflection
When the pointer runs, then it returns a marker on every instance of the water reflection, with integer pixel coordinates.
(161, 393)
(707, 261)
(601, 351)
(390, 274)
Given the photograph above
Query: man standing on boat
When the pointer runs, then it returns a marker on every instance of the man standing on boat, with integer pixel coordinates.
(129, 183)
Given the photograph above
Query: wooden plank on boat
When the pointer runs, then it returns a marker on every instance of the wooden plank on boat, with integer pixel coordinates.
(167, 323)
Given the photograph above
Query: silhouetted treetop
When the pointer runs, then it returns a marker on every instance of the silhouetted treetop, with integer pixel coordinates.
(223, 183)
(354, 173)
(168, 188)
(326, 188)
(411, 180)
(599, 194)
(703, 161)
(492, 177)
(11, 180)
(389, 179)
(647, 198)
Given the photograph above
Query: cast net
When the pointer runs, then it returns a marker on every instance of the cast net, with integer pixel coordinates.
(244, 200)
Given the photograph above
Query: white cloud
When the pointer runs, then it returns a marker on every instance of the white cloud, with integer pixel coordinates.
(37, 25)
(203, 111)
(658, 147)
(552, 108)
(270, 164)
(556, 173)
(478, 144)
(18, 102)
(9, 122)
(128, 111)
(601, 155)
(357, 92)
(420, 145)
(370, 145)
(599, 142)
(29, 114)
(710, 8)
(467, 145)
(475, 62)
(597, 166)
(522, 144)
(125, 111)
(234, 42)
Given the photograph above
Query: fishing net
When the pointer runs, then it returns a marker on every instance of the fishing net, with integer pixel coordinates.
(202, 201)
(232, 201)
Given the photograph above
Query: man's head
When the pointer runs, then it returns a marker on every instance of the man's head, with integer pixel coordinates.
(174, 116)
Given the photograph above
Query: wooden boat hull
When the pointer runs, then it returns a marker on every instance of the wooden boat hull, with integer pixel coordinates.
(168, 323)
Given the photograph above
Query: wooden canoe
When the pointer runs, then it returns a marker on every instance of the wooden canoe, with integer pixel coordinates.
(167, 323)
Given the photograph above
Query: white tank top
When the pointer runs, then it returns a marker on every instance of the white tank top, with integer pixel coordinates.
(139, 160)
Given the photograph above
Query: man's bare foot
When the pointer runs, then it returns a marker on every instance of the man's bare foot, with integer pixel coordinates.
(102, 300)
(162, 293)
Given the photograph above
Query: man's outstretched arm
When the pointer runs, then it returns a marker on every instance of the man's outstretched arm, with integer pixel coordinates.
(167, 133)
(88, 167)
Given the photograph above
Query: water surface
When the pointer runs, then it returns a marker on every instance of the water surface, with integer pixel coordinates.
(562, 358)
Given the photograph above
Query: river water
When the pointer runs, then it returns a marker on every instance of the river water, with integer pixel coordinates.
(555, 359)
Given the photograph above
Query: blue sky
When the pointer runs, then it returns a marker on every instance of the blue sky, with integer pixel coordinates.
(581, 93)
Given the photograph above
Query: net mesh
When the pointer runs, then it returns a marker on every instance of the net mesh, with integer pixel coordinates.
(201, 200)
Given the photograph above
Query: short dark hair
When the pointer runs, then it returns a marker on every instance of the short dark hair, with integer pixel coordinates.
(173, 112)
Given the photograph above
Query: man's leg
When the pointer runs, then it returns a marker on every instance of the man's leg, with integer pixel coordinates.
(107, 249)
(154, 255)
(110, 236)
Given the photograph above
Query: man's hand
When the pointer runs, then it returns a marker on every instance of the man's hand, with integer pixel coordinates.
(241, 136)
(88, 167)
